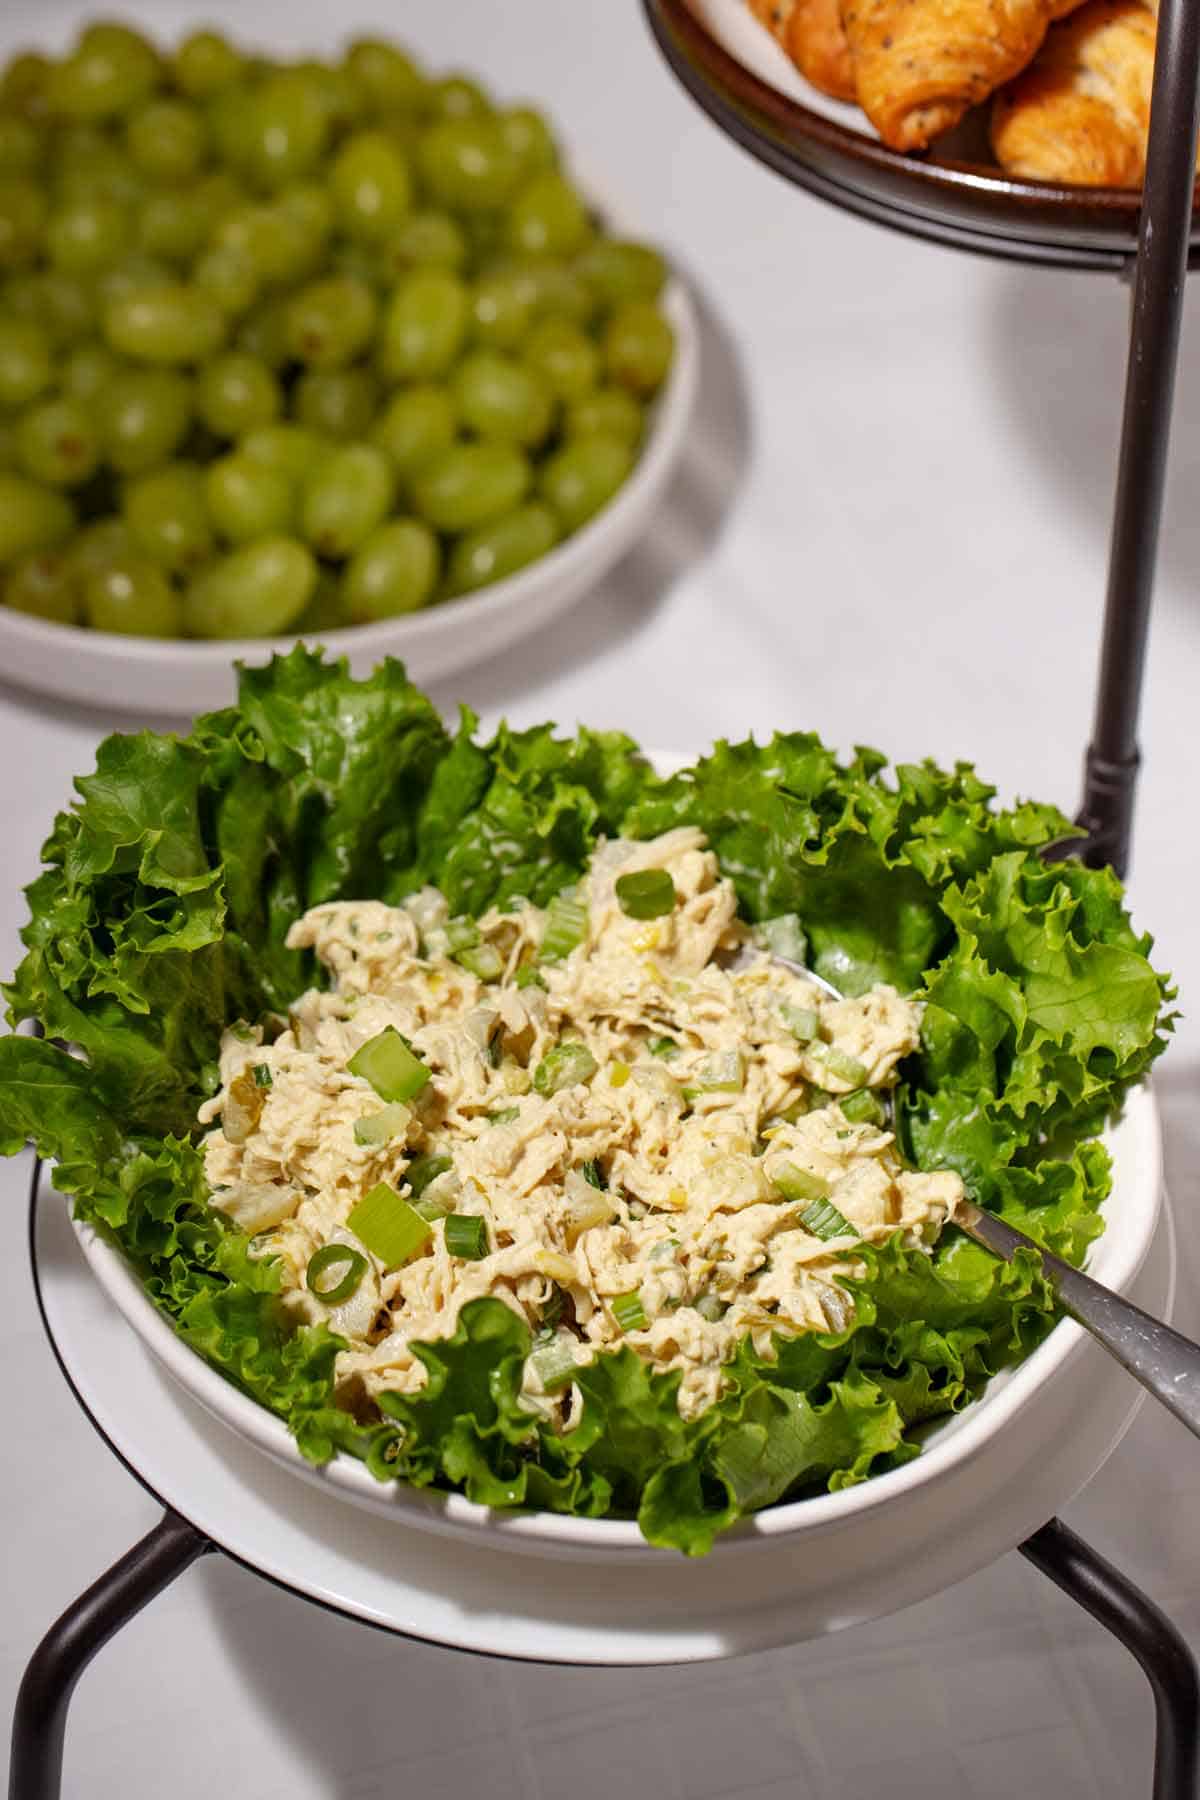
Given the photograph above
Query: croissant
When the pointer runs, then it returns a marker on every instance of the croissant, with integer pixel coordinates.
(921, 64)
(811, 32)
(1081, 111)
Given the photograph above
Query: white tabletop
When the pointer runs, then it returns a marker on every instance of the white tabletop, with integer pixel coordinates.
(891, 527)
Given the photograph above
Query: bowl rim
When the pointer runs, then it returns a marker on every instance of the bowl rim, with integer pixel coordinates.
(405, 632)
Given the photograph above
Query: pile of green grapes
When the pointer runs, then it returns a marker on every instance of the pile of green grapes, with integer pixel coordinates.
(291, 346)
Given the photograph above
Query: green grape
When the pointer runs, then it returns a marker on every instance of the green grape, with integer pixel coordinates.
(86, 235)
(58, 443)
(133, 597)
(422, 240)
(583, 476)
(246, 500)
(144, 416)
(8, 443)
(424, 326)
(288, 128)
(167, 515)
(331, 321)
(263, 333)
(276, 242)
(99, 546)
(230, 119)
(499, 397)
(22, 221)
(471, 484)
(502, 309)
(501, 548)
(172, 323)
(336, 403)
(457, 97)
(41, 584)
(394, 571)
(25, 85)
(288, 449)
(467, 165)
(529, 138)
(548, 218)
(132, 274)
(337, 92)
(111, 71)
(555, 291)
(87, 370)
(618, 270)
(385, 79)
(26, 363)
(173, 223)
(371, 186)
(638, 347)
(228, 277)
(236, 393)
(205, 63)
(20, 145)
(417, 425)
(59, 304)
(32, 517)
(310, 207)
(167, 140)
(606, 412)
(100, 173)
(256, 591)
(565, 357)
(348, 493)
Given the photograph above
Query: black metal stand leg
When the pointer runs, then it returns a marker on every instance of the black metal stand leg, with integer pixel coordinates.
(1148, 1634)
(40, 1717)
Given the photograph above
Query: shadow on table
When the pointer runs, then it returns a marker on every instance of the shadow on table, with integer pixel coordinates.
(1059, 344)
(691, 517)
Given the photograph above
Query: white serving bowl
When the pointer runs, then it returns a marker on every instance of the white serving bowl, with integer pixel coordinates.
(985, 1479)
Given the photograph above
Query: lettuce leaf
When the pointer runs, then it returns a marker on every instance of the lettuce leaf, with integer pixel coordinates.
(161, 915)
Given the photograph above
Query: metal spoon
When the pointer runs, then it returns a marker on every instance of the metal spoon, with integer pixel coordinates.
(1164, 1361)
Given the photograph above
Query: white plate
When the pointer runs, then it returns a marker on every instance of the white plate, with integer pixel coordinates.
(375, 1569)
(153, 675)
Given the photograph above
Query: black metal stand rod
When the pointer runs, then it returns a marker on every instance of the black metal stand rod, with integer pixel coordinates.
(1161, 269)
(40, 1715)
(1148, 1634)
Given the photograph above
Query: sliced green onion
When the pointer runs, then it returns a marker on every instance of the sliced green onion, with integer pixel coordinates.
(424, 1169)
(466, 1236)
(863, 1107)
(825, 1221)
(460, 934)
(555, 1364)
(783, 936)
(565, 927)
(390, 1066)
(483, 960)
(846, 1068)
(646, 894)
(528, 977)
(331, 1257)
(504, 1116)
(262, 1075)
(799, 1184)
(710, 1308)
(244, 1033)
(390, 1228)
(802, 1021)
(593, 1174)
(563, 1067)
(382, 1127)
(628, 1311)
(664, 1047)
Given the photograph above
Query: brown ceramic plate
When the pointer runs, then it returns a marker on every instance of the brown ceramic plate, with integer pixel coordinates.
(969, 204)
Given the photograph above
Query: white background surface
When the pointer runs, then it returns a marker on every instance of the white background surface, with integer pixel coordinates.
(890, 527)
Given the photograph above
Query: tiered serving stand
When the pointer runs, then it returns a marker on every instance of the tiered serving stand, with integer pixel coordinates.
(1150, 238)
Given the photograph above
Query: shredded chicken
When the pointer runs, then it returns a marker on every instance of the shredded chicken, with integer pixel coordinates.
(650, 1165)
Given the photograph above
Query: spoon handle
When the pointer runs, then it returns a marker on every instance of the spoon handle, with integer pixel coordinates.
(1161, 1359)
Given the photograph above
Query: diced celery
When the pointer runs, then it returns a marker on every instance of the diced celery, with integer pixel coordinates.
(382, 1127)
(799, 1184)
(629, 1312)
(824, 1220)
(392, 1069)
(563, 1067)
(565, 927)
(802, 1021)
(390, 1228)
